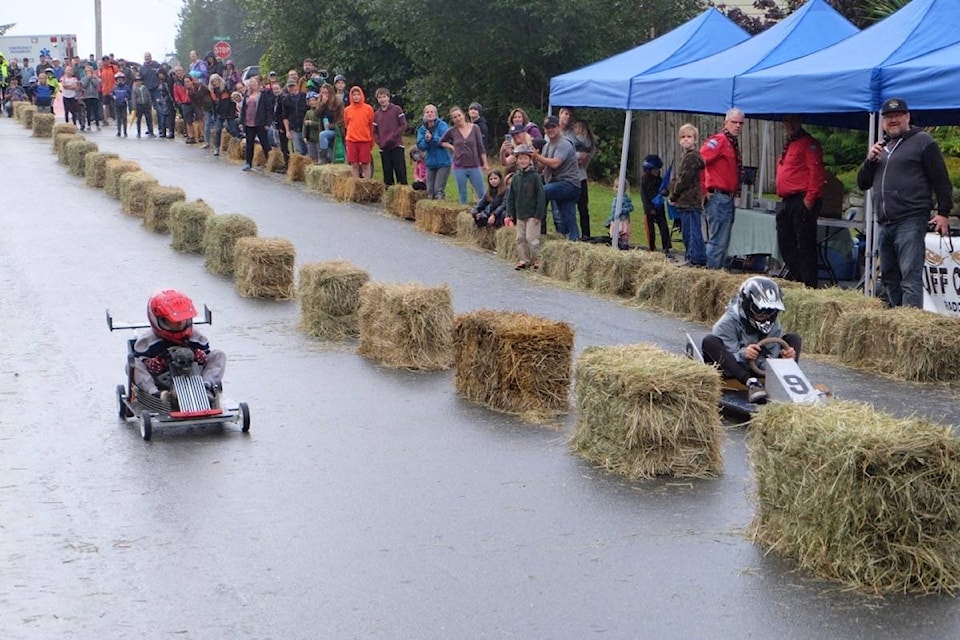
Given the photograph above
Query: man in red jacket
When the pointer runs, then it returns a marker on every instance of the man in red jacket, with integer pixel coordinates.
(721, 154)
(799, 185)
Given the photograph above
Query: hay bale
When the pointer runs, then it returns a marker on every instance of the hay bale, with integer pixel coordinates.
(134, 187)
(505, 241)
(27, 115)
(263, 268)
(77, 151)
(296, 167)
(329, 295)
(438, 216)
(95, 167)
(469, 233)
(561, 259)
(275, 161)
(401, 200)
(406, 325)
(858, 496)
(669, 290)
(20, 106)
(359, 190)
(601, 268)
(259, 157)
(188, 222)
(644, 412)
(225, 139)
(903, 343)
(181, 127)
(64, 127)
(815, 314)
(321, 178)
(159, 201)
(236, 150)
(513, 362)
(60, 145)
(220, 239)
(41, 123)
(114, 170)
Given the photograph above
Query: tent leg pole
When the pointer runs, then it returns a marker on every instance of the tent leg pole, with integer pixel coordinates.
(618, 205)
(871, 229)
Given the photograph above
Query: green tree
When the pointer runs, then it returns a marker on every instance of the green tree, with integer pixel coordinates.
(202, 20)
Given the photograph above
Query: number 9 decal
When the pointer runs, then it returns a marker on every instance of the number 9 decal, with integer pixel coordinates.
(796, 384)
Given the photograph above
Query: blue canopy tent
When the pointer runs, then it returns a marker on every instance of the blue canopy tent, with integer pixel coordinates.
(840, 84)
(607, 84)
(706, 86)
(929, 84)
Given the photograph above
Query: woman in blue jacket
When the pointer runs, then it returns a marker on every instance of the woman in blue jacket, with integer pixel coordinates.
(437, 158)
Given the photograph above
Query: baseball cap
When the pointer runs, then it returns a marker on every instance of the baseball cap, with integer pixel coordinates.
(524, 149)
(311, 95)
(551, 121)
(517, 128)
(340, 77)
(291, 83)
(894, 105)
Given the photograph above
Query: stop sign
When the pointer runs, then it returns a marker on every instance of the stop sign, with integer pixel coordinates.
(222, 50)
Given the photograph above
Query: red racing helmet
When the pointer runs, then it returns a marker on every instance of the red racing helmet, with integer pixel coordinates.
(171, 315)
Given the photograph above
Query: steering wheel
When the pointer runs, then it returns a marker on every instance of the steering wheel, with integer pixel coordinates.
(763, 343)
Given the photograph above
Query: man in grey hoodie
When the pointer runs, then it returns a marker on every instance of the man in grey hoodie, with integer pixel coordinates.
(903, 170)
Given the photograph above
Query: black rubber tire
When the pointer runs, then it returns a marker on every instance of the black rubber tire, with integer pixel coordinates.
(122, 409)
(146, 425)
(244, 417)
(771, 340)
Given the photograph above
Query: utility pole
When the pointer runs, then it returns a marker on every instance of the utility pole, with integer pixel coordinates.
(98, 28)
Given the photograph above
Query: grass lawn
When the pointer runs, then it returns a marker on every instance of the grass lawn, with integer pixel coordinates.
(601, 201)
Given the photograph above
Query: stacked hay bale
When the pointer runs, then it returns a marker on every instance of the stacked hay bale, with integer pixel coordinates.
(220, 239)
(815, 314)
(263, 268)
(697, 294)
(64, 127)
(469, 233)
(27, 114)
(858, 496)
(297, 166)
(321, 178)
(95, 168)
(401, 200)
(907, 344)
(275, 161)
(188, 222)
(406, 325)
(561, 260)
(513, 362)
(329, 295)
(159, 201)
(60, 142)
(114, 170)
(605, 269)
(359, 190)
(134, 186)
(438, 216)
(77, 151)
(41, 123)
(505, 241)
(644, 412)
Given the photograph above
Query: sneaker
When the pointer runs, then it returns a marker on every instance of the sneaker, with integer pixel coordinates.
(170, 136)
(521, 265)
(216, 153)
(150, 135)
(247, 167)
(206, 146)
(755, 391)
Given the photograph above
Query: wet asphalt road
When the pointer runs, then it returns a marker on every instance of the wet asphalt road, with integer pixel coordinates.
(364, 503)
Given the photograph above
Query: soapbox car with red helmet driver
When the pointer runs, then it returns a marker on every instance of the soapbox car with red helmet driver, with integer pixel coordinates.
(186, 401)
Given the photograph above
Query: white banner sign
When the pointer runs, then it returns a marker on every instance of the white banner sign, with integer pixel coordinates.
(941, 275)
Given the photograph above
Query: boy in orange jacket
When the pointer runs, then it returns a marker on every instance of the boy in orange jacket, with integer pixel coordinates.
(358, 120)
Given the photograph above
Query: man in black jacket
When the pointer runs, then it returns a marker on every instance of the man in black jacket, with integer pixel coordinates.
(294, 110)
(902, 170)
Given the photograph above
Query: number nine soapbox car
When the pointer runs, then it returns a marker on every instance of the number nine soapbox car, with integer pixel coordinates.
(188, 403)
(784, 381)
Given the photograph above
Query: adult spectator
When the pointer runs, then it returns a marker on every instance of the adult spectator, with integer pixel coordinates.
(437, 158)
(578, 132)
(294, 110)
(69, 88)
(331, 117)
(465, 143)
(231, 77)
(91, 86)
(562, 176)
(13, 94)
(148, 73)
(721, 155)
(279, 129)
(255, 113)
(475, 113)
(202, 104)
(224, 111)
(214, 66)
(188, 109)
(516, 136)
(901, 171)
(389, 124)
(800, 178)
(519, 116)
(107, 82)
(198, 69)
(308, 70)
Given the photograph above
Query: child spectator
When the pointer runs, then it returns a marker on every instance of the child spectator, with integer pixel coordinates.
(419, 169)
(43, 94)
(475, 113)
(621, 226)
(312, 126)
(121, 100)
(515, 137)
(358, 119)
(142, 105)
(687, 196)
(224, 112)
(655, 215)
(331, 115)
(389, 123)
(489, 211)
(165, 108)
(527, 207)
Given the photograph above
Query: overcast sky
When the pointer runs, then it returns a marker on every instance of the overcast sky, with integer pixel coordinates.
(129, 28)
